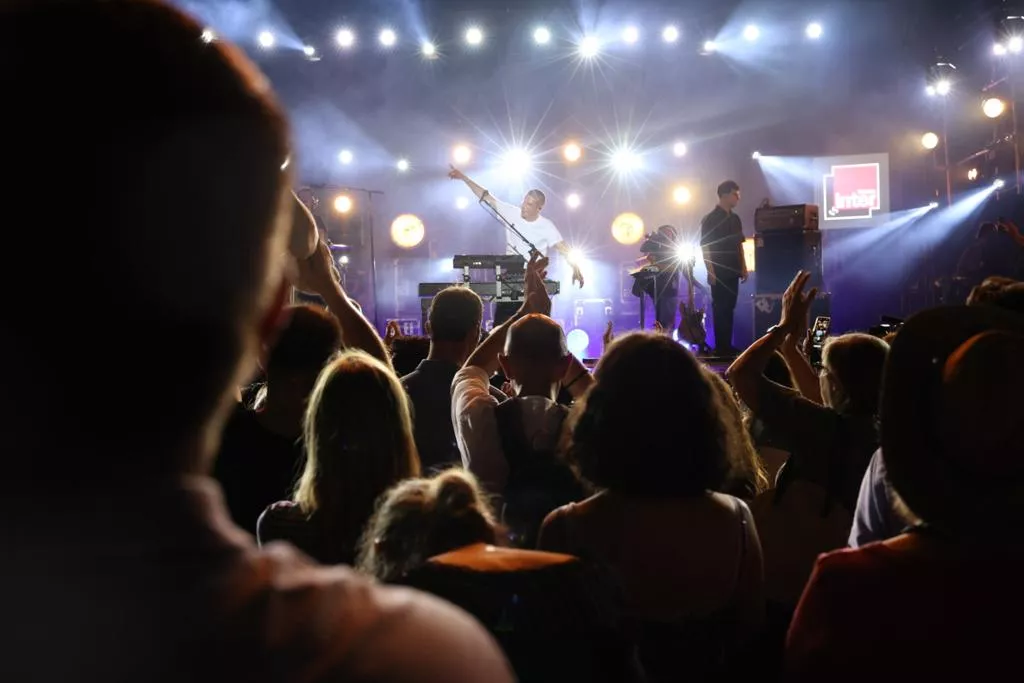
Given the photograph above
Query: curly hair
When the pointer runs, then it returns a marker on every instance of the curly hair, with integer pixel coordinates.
(749, 476)
(646, 384)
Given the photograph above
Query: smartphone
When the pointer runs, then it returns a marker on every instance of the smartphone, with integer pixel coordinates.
(822, 326)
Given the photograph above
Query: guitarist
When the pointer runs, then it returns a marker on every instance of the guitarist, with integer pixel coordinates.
(660, 250)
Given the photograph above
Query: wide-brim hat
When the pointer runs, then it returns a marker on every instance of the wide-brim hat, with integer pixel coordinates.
(955, 374)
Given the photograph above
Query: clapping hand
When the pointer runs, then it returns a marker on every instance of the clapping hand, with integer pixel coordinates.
(537, 299)
(796, 305)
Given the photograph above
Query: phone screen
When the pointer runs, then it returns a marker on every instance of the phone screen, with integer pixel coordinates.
(822, 326)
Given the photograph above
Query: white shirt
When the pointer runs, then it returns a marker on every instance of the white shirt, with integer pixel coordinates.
(476, 428)
(541, 232)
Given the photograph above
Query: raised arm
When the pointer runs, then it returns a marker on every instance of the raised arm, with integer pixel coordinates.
(304, 236)
(481, 193)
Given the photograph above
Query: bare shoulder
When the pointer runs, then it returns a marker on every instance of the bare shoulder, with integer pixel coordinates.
(331, 623)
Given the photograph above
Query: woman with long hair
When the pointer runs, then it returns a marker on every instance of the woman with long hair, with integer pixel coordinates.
(359, 443)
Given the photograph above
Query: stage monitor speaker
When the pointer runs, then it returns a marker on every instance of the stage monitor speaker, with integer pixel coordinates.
(779, 255)
(768, 309)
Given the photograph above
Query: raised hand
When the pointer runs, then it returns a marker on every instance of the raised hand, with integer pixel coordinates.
(608, 335)
(537, 299)
(317, 273)
(455, 174)
(796, 305)
(577, 276)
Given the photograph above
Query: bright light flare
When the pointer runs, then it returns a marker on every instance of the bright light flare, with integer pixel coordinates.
(208, 35)
(474, 35)
(670, 34)
(630, 34)
(576, 257)
(517, 163)
(345, 38)
(541, 35)
(1015, 44)
(993, 107)
(573, 201)
(461, 203)
(428, 49)
(999, 183)
(625, 161)
(972, 174)
(686, 252)
(710, 46)
(461, 154)
(999, 50)
(572, 152)
(628, 228)
(407, 231)
(681, 195)
(402, 165)
(309, 50)
(589, 47)
(943, 87)
(679, 148)
(343, 260)
(342, 203)
(346, 157)
(756, 155)
(388, 37)
(813, 30)
(577, 342)
(266, 39)
(933, 205)
(751, 33)
(929, 140)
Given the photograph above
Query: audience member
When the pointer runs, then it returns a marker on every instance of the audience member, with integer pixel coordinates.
(359, 443)
(122, 563)
(748, 476)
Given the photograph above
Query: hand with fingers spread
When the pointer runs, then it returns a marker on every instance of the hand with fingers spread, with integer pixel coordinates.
(796, 305)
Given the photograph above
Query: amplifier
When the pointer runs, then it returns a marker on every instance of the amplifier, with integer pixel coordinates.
(792, 217)
(488, 290)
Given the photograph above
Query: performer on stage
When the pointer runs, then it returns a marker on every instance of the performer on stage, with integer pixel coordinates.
(527, 219)
(721, 240)
(660, 249)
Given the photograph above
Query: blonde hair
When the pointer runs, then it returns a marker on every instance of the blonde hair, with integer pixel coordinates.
(746, 461)
(359, 443)
(421, 518)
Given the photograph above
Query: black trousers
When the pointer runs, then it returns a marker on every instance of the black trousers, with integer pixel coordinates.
(723, 308)
(665, 310)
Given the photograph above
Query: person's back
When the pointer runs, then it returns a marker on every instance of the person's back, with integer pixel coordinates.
(121, 562)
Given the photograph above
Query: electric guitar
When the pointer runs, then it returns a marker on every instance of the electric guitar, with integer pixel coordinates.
(691, 325)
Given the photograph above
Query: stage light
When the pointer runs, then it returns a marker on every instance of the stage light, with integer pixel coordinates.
(517, 163)
(573, 201)
(589, 47)
(572, 152)
(345, 38)
(309, 50)
(930, 91)
(679, 148)
(387, 37)
(943, 87)
(266, 39)
(461, 203)
(402, 165)
(749, 255)
(474, 35)
(681, 195)
(686, 252)
(577, 342)
(756, 155)
(670, 34)
(999, 50)
(631, 34)
(993, 107)
(929, 140)
(541, 35)
(461, 154)
(933, 205)
(1015, 44)
(576, 257)
(625, 161)
(710, 46)
(407, 231)
(208, 36)
(972, 174)
(999, 183)
(342, 203)
(628, 228)
(428, 49)
(814, 30)
(346, 157)
(343, 260)
(751, 33)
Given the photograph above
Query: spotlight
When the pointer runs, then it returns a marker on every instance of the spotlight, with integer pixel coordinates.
(814, 30)
(670, 34)
(573, 201)
(343, 260)
(402, 165)
(589, 47)
(631, 34)
(345, 38)
(407, 231)
(933, 205)
(208, 36)
(930, 90)
(751, 33)
(681, 195)
(686, 253)
(474, 35)
(999, 50)
(345, 157)
(710, 46)
(999, 183)
(387, 37)
(309, 50)
(943, 87)
(517, 163)
(624, 161)
(576, 257)
(461, 154)
(679, 149)
(266, 39)
(972, 174)
(577, 341)
(342, 203)
(929, 140)
(756, 155)
(428, 49)
(541, 35)
(993, 107)
(1015, 44)
(628, 228)
(461, 203)
(572, 152)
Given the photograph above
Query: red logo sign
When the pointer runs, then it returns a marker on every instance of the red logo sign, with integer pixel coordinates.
(853, 191)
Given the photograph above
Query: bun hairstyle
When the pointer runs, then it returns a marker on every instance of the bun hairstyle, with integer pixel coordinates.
(421, 518)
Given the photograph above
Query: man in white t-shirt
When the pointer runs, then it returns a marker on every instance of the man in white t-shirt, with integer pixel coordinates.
(526, 218)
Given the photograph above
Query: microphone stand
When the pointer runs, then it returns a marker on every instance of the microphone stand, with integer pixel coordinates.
(510, 227)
